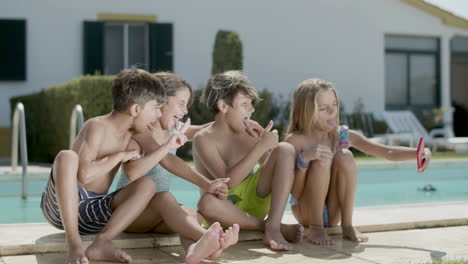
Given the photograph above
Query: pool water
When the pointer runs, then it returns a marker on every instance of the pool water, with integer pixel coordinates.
(377, 186)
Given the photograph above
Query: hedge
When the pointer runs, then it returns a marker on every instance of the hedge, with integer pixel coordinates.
(48, 112)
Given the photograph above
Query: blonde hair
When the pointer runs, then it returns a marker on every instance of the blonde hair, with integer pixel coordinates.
(225, 86)
(304, 108)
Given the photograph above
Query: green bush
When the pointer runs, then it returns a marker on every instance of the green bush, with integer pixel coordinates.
(48, 112)
(227, 52)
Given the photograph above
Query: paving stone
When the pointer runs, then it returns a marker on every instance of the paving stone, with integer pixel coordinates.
(140, 256)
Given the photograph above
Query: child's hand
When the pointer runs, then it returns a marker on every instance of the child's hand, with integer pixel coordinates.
(253, 128)
(427, 159)
(219, 188)
(317, 152)
(183, 127)
(176, 140)
(130, 155)
(269, 139)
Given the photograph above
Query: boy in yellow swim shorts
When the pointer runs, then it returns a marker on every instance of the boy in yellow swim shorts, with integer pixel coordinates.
(225, 150)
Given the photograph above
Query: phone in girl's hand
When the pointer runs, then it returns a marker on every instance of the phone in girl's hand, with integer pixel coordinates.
(420, 153)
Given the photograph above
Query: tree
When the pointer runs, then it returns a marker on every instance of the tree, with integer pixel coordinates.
(227, 52)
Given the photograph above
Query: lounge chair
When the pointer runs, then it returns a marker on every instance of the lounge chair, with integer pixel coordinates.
(363, 123)
(404, 125)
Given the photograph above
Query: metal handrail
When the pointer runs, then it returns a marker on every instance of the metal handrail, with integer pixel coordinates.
(76, 122)
(20, 122)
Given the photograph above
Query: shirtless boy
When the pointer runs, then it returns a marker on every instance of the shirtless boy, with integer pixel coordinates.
(76, 198)
(225, 150)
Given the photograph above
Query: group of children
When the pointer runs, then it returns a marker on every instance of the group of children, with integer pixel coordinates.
(244, 173)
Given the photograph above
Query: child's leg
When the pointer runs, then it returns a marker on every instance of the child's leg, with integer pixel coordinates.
(342, 194)
(312, 201)
(277, 178)
(64, 173)
(223, 211)
(127, 205)
(165, 215)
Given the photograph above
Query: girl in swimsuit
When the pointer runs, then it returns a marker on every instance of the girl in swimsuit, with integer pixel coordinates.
(326, 173)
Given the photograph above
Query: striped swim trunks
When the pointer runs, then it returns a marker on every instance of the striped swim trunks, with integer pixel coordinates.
(94, 209)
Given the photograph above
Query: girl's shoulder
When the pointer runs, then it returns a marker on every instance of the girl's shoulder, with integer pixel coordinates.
(294, 136)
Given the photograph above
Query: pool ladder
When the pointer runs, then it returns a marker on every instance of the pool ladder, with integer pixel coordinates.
(19, 123)
(76, 122)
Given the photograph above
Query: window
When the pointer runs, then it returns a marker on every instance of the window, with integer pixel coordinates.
(13, 50)
(109, 47)
(411, 72)
(125, 45)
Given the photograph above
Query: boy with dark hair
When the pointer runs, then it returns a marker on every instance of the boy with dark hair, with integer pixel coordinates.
(76, 198)
(225, 150)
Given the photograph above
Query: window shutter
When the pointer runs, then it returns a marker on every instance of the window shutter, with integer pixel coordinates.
(13, 50)
(93, 47)
(161, 47)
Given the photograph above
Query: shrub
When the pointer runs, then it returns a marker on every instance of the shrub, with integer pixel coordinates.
(48, 112)
(227, 52)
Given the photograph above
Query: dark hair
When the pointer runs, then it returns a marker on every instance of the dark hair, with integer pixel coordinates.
(172, 83)
(225, 86)
(136, 87)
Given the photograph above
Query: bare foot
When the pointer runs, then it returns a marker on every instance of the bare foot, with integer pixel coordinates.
(103, 249)
(206, 246)
(292, 233)
(274, 239)
(351, 233)
(227, 239)
(318, 235)
(76, 255)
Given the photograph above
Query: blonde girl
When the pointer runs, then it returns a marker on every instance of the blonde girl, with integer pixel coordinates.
(326, 175)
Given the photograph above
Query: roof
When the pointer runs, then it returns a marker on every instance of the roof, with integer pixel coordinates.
(447, 18)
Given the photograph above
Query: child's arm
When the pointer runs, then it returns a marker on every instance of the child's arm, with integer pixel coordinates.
(193, 129)
(316, 152)
(155, 152)
(138, 168)
(212, 161)
(178, 167)
(90, 166)
(252, 127)
(393, 153)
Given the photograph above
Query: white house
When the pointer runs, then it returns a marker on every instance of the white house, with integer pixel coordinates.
(390, 53)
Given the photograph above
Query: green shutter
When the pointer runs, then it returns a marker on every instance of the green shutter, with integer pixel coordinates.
(93, 47)
(160, 47)
(13, 50)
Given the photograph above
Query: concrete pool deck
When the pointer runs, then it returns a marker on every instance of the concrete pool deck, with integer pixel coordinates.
(425, 231)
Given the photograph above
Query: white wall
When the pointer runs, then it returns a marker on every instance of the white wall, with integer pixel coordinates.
(285, 42)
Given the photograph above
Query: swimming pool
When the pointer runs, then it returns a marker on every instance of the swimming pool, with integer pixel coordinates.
(378, 185)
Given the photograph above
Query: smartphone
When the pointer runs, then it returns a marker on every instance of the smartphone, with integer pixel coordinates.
(420, 153)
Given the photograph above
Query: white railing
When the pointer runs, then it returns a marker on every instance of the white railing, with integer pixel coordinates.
(20, 123)
(76, 122)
